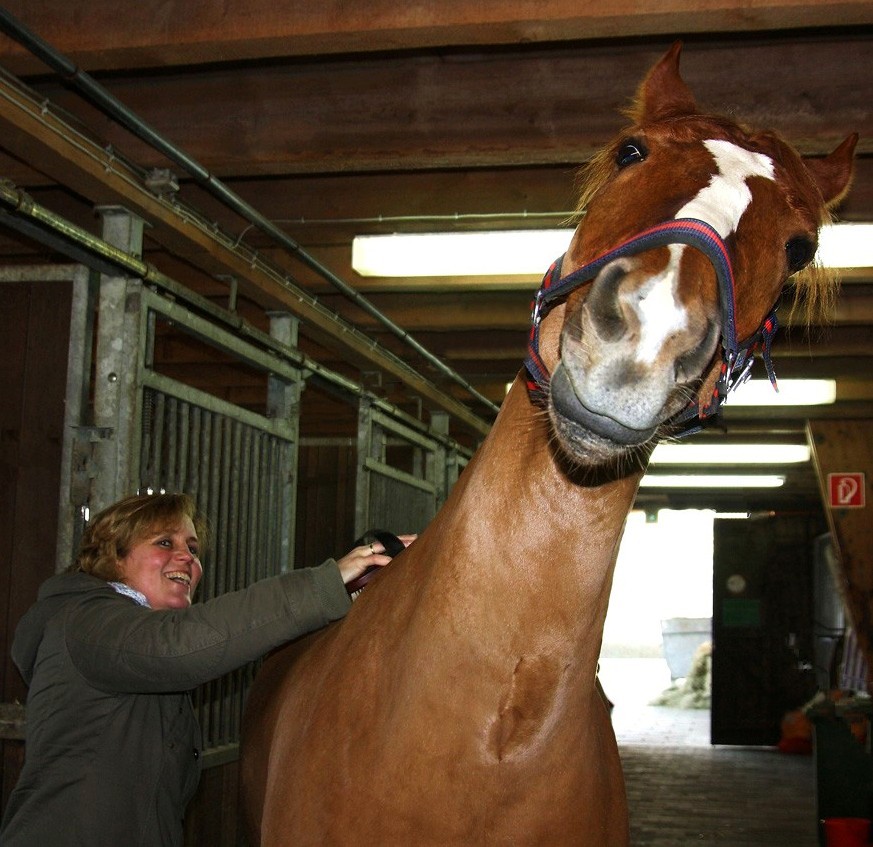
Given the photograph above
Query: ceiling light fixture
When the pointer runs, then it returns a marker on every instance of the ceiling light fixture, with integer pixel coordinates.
(712, 481)
(729, 454)
(846, 246)
(792, 392)
(492, 253)
(529, 252)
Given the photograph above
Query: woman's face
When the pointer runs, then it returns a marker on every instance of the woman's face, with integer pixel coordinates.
(164, 566)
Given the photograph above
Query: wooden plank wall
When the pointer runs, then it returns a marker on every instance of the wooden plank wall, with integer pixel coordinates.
(846, 446)
(325, 501)
(34, 327)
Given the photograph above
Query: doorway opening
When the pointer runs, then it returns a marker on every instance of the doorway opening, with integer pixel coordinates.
(655, 657)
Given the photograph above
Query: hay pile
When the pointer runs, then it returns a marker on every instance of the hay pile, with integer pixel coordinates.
(695, 691)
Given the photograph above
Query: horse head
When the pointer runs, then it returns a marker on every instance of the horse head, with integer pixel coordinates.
(692, 225)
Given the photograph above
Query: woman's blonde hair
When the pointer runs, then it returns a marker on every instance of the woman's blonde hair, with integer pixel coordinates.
(112, 533)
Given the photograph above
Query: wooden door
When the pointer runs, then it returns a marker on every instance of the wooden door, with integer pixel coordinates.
(763, 640)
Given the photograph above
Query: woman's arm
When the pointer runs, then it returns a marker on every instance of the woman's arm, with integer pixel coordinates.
(119, 646)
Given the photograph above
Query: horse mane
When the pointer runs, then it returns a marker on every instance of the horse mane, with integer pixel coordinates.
(815, 288)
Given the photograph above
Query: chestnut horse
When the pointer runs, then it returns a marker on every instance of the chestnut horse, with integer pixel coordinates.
(456, 703)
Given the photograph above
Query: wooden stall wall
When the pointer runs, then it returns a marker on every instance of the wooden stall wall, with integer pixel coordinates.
(843, 454)
(34, 326)
(325, 499)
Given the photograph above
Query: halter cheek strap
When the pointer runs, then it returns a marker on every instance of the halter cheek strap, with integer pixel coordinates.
(737, 357)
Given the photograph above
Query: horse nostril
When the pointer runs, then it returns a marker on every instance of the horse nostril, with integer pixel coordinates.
(690, 365)
(603, 306)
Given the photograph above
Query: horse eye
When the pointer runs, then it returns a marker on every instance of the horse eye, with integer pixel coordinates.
(630, 152)
(799, 252)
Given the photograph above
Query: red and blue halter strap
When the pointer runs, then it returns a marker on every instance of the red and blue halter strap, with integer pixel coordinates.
(737, 357)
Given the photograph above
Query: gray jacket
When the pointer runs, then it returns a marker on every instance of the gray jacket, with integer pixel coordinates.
(112, 744)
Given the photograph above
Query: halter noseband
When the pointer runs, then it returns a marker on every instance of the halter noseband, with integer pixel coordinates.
(737, 357)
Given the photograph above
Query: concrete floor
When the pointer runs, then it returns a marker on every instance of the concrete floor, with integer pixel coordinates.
(682, 791)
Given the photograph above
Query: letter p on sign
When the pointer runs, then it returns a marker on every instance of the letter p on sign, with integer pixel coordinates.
(846, 490)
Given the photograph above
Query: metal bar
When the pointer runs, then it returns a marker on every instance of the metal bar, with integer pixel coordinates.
(212, 453)
(41, 273)
(221, 755)
(182, 455)
(172, 483)
(396, 428)
(228, 489)
(209, 504)
(382, 469)
(113, 260)
(169, 386)
(160, 413)
(206, 331)
(75, 403)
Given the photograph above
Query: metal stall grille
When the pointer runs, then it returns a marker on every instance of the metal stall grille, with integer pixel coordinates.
(403, 475)
(240, 468)
(230, 468)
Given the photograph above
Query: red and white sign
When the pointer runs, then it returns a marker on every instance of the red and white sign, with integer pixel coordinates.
(846, 490)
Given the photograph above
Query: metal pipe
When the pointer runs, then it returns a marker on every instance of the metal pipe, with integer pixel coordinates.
(113, 107)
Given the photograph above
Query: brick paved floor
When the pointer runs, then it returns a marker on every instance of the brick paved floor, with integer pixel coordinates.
(682, 791)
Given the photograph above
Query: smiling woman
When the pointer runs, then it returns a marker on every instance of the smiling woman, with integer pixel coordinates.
(165, 566)
(147, 547)
(109, 651)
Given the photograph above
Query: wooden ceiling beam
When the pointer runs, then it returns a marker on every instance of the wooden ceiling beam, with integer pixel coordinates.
(523, 107)
(152, 33)
(510, 310)
(323, 210)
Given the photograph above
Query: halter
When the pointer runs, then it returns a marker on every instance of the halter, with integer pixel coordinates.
(737, 357)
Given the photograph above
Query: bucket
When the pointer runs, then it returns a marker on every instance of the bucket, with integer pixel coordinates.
(846, 832)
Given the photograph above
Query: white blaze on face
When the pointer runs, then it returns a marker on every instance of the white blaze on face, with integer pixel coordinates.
(721, 204)
(724, 201)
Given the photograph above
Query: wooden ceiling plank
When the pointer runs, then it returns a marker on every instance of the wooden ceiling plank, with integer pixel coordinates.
(152, 33)
(411, 112)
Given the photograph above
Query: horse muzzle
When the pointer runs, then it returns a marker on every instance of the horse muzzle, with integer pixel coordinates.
(567, 404)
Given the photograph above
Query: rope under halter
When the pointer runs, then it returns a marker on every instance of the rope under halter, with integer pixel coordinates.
(737, 357)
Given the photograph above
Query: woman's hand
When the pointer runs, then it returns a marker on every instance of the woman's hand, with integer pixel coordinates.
(358, 559)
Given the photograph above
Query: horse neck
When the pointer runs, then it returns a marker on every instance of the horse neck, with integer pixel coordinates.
(538, 545)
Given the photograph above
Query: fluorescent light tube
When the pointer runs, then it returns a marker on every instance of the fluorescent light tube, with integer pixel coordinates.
(846, 246)
(526, 252)
(792, 392)
(714, 481)
(493, 253)
(729, 454)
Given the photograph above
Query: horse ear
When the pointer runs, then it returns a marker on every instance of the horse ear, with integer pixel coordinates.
(663, 93)
(833, 174)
